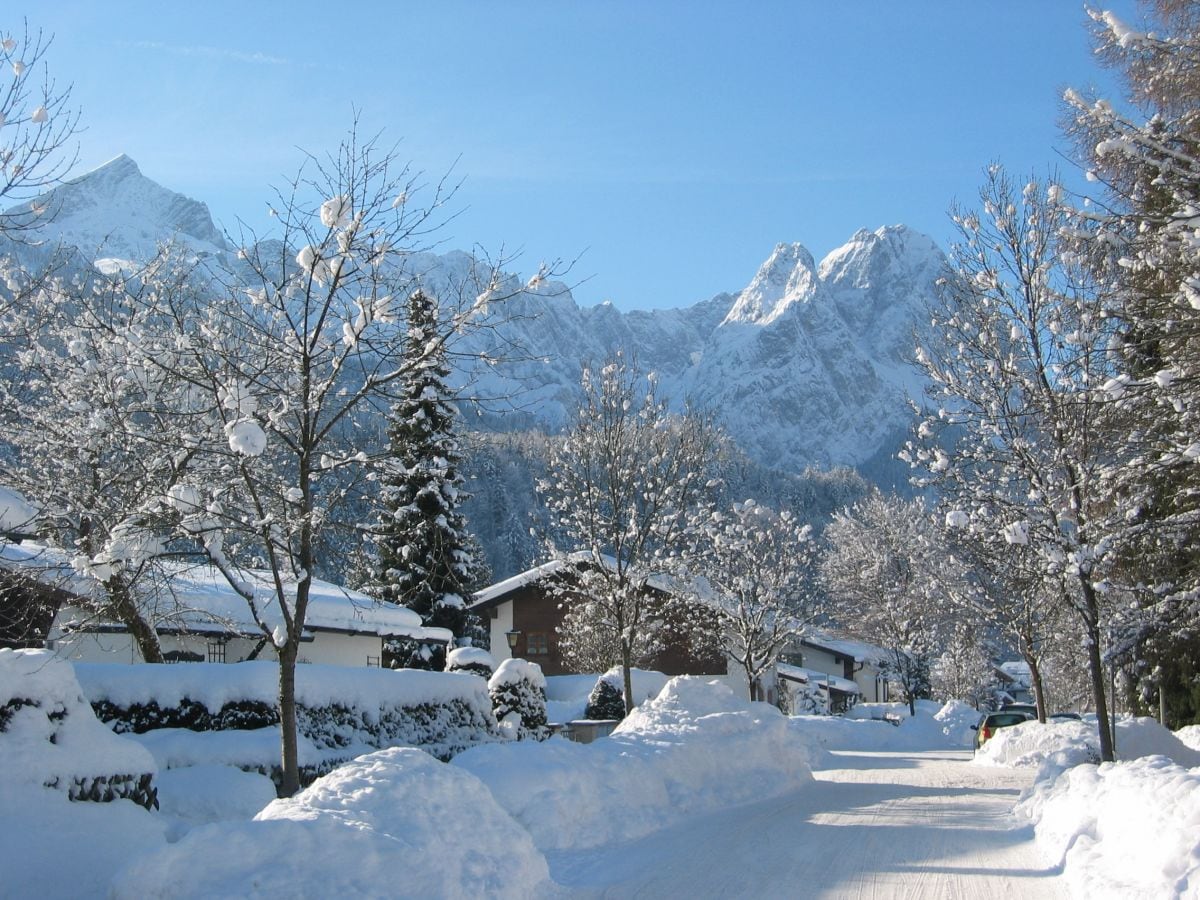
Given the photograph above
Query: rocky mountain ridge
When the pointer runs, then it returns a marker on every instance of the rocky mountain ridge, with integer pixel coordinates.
(806, 365)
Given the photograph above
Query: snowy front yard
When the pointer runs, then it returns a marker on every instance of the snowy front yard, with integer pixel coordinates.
(698, 793)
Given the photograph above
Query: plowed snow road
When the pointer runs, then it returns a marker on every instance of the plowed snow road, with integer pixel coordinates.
(884, 825)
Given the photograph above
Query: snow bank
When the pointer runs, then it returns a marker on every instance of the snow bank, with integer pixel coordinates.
(393, 823)
(865, 729)
(567, 696)
(1190, 736)
(52, 847)
(1062, 743)
(1129, 829)
(198, 795)
(49, 845)
(48, 733)
(695, 748)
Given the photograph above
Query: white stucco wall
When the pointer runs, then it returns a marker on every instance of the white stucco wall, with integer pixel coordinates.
(499, 625)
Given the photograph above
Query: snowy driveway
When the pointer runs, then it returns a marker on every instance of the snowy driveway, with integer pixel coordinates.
(886, 825)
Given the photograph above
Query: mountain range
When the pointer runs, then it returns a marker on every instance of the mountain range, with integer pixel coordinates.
(807, 365)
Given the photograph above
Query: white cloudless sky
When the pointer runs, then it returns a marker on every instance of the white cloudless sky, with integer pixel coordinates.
(669, 145)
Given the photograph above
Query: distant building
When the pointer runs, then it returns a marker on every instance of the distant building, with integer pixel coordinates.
(525, 610)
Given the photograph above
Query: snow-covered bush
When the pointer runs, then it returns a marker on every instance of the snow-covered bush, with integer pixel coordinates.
(647, 684)
(342, 712)
(697, 748)
(389, 823)
(518, 692)
(607, 700)
(1125, 829)
(50, 738)
(471, 659)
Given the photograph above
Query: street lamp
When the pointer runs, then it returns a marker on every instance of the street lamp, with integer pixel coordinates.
(512, 637)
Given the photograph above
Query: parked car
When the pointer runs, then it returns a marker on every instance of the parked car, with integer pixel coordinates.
(994, 721)
(1030, 708)
(1066, 715)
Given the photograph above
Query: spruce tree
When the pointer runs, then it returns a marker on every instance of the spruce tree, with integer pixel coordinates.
(424, 551)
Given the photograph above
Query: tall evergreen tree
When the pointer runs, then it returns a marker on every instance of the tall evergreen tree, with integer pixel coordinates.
(425, 559)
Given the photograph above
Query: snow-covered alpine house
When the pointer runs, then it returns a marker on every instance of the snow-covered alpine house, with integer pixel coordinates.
(200, 618)
(523, 618)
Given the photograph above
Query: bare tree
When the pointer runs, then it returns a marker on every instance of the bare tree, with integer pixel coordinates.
(92, 434)
(755, 566)
(287, 361)
(886, 577)
(619, 489)
(37, 125)
(1019, 349)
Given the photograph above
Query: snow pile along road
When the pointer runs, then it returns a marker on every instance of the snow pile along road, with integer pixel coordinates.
(865, 728)
(1119, 830)
(1060, 744)
(393, 823)
(695, 748)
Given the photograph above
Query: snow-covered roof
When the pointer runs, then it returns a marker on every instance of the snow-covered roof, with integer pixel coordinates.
(197, 597)
(494, 594)
(859, 651)
(1017, 671)
(16, 513)
(811, 676)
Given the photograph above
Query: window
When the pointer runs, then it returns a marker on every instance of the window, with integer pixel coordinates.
(537, 643)
(373, 661)
(216, 651)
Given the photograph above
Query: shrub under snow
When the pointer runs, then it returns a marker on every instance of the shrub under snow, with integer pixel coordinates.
(393, 823)
(607, 699)
(696, 748)
(474, 660)
(518, 692)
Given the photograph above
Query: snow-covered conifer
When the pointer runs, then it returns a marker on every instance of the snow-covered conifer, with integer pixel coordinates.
(425, 559)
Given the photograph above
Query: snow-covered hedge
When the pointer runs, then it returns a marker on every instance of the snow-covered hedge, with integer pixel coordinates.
(518, 692)
(392, 823)
(342, 712)
(696, 748)
(1128, 829)
(49, 736)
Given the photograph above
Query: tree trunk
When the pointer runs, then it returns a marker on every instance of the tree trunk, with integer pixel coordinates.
(627, 675)
(125, 607)
(1096, 675)
(290, 782)
(1035, 681)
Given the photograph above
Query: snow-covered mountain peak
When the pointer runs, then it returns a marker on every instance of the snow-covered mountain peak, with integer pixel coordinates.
(116, 212)
(874, 256)
(788, 276)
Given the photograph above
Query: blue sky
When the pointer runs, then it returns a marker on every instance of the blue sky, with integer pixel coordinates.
(671, 144)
